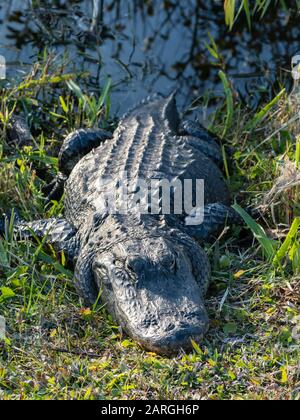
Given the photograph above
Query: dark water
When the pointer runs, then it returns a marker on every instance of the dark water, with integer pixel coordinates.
(149, 46)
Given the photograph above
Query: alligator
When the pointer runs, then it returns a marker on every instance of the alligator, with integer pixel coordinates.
(148, 269)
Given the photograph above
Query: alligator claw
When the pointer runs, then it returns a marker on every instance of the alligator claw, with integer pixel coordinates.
(18, 132)
(55, 190)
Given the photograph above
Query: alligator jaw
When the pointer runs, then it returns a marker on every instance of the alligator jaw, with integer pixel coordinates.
(180, 339)
(173, 345)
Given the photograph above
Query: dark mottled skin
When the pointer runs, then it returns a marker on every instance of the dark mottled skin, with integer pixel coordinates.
(18, 133)
(150, 271)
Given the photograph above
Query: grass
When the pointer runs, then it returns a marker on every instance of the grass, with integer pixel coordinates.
(57, 349)
(234, 8)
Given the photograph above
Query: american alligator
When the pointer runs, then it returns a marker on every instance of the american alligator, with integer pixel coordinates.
(149, 270)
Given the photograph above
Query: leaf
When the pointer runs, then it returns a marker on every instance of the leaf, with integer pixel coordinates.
(229, 7)
(264, 7)
(267, 244)
(62, 117)
(76, 90)
(231, 375)
(2, 117)
(247, 12)
(258, 118)
(63, 259)
(212, 363)
(239, 274)
(230, 328)
(197, 348)
(127, 344)
(85, 312)
(53, 333)
(213, 48)
(212, 52)
(105, 93)
(7, 293)
(45, 81)
(88, 393)
(225, 162)
(284, 376)
(224, 298)
(229, 102)
(283, 251)
(64, 105)
(225, 262)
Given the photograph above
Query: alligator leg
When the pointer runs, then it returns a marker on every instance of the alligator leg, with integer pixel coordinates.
(210, 220)
(201, 139)
(55, 190)
(79, 144)
(75, 146)
(195, 129)
(58, 232)
(63, 237)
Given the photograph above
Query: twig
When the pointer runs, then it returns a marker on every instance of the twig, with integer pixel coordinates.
(75, 352)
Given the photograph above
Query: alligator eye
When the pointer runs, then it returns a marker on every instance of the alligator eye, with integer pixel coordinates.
(101, 268)
(129, 267)
(170, 263)
(174, 265)
(136, 265)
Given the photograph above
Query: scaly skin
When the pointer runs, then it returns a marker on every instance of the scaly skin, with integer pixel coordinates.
(149, 270)
(18, 132)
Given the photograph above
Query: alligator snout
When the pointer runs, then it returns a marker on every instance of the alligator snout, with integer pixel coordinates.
(175, 332)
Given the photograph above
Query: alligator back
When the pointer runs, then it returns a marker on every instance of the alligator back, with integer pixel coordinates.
(146, 145)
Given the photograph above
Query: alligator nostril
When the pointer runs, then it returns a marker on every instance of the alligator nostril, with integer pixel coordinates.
(170, 327)
(196, 314)
(150, 322)
(189, 316)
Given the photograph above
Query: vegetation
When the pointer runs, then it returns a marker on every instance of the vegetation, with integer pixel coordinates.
(233, 8)
(57, 349)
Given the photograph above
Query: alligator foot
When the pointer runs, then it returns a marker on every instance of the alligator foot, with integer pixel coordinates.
(79, 144)
(18, 132)
(210, 220)
(55, 190)
(58, 233)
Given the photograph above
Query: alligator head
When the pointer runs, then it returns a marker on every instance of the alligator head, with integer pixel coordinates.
(154, 288)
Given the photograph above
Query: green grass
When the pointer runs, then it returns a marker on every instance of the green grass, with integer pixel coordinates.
(234, 8)
(57, 349)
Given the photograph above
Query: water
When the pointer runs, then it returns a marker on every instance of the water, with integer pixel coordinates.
(149, 46)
